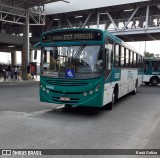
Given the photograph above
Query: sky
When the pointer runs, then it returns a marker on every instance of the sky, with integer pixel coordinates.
(151, 46)
(5, 57)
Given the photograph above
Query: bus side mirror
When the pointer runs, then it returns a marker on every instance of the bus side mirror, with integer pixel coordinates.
(35, 54)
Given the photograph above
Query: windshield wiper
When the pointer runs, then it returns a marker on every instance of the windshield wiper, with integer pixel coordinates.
(80, 49)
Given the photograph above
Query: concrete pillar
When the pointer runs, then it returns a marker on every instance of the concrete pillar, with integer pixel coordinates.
(13, 58)
(25, 49)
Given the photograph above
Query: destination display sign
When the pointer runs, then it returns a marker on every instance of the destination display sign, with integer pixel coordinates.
(72, 36)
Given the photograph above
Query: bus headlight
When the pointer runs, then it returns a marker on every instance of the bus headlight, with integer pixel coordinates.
(91, 92)
(85, 94)
(97, 88)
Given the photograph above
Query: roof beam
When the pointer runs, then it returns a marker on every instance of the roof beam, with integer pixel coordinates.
(132, 15)
(88, 17)
(117, 29)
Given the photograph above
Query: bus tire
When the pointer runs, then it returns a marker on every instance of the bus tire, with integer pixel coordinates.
(135, 89)
(147, 83)
(110, 105)
(154, 81)
(68, 106)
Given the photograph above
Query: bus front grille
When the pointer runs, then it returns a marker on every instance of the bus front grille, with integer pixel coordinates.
(66, 83)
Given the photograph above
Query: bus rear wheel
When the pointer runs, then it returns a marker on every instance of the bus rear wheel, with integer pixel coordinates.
(154, 81)
(135, 90)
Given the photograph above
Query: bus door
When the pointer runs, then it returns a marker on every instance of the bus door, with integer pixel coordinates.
(146, 67)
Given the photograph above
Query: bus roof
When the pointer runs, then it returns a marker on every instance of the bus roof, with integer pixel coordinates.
(151, 59)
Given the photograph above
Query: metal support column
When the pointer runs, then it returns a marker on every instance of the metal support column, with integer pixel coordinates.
(25, 51)
(13, 58)
(147, 17)
(98, 19)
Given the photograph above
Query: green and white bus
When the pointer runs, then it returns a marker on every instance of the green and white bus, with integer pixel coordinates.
(151, 71)
(87, 67)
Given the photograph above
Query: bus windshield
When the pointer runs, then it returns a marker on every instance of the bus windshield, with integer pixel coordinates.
(85, 61)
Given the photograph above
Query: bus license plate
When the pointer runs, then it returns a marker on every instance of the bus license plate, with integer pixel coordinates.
(64, 99)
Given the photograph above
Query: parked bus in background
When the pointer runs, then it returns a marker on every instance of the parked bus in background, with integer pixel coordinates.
(87, 67)
(151, 71)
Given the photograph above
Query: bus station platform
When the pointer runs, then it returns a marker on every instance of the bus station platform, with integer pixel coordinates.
(19, 82)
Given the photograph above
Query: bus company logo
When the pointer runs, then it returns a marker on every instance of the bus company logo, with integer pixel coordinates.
(6, 152)
(155, 73)
(130, 75)
(50, 87)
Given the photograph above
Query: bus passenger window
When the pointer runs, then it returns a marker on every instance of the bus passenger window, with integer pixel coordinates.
(127, 58)
(122, 56)
(146, 65)
(134, 60)
(138, 60)
(116, 56)
(158, 66)
(109, 47)
(154, 66)
(131, 59)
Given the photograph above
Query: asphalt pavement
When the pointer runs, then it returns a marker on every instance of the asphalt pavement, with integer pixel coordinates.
(27, 123)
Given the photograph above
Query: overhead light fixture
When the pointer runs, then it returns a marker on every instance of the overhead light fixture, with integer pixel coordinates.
(102, 13)
(56, 19)
(128, 10)
(80, 16)
(11, 46)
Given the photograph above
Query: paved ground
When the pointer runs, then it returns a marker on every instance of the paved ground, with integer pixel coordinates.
(26, 123)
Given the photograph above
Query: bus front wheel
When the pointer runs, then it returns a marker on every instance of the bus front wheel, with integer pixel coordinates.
(68, 106)
(110, 105)
(154, 81)
(147, 83)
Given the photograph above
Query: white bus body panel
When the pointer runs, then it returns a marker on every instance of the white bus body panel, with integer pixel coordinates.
(126, 84)
(146, 78)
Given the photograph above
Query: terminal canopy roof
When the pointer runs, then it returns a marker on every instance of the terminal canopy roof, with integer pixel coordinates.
(26, 3)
